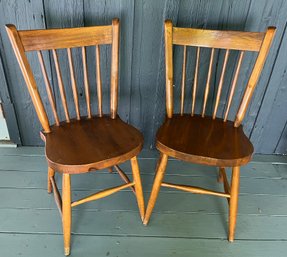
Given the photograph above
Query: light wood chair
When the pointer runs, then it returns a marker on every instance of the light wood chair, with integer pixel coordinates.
(202, 139)
(80, 144)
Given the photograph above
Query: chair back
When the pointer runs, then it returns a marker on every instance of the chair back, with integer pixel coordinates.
(52, 40)
(259, 42)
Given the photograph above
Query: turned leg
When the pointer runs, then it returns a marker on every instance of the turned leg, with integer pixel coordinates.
(51, 173)
(66, 209)
(138, 185)
(233, 203)
(156, 186)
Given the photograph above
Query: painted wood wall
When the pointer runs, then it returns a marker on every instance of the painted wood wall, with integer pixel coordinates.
(142, 81)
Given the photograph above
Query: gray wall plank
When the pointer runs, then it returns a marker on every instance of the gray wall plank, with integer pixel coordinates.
(142, 72)
(8, 106)
(25, 15)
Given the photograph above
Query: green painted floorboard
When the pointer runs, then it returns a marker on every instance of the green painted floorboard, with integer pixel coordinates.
(182, 224)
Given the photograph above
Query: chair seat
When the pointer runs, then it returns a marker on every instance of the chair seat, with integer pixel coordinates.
(204, 140)
(87, 144)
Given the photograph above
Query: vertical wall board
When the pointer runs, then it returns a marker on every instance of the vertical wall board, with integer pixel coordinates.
(102, 13)
(277, 58)
(171, 9)
(147, 24)
(142, 63)
(126, 16)
(66, 14)
(276, 120)
(282, 144)
(234, 19)
(8, 107)
(25, 15)
(259, 18)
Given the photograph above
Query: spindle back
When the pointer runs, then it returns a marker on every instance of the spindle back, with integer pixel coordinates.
(54, 39)
(215, 39)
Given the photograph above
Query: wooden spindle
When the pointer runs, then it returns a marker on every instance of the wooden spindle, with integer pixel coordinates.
(86, 82)
(208, 82)
(115, 68)
(221, 80)
(99, 80)
(48, 87)
(74, 83)
(183, 81)
(233, 85)
(195, 81)
(61, 85)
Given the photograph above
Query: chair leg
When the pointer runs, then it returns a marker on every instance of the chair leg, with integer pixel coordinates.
(156, 186)
(233, 203)
(138, 186)
(66, 209)
(51, 173)
(220, 177)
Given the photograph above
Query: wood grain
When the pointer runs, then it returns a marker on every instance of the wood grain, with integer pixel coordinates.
(236, 40)
(101, 142)
(68, 38)
(204, 140)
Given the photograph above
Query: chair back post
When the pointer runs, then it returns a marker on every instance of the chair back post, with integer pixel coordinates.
(168, 28)
(28, 76)
(115, 67)
(263, 52)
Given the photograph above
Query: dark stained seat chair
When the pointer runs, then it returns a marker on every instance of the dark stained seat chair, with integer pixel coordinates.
(83, 143)
(202, 139)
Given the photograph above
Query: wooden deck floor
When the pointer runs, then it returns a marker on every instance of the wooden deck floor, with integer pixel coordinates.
(183, 224)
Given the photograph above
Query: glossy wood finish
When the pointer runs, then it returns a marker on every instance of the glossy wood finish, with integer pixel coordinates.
(80, 144)
(220, 84)
(51, 174)
(86, 82)
(207, 86)
(115, 67)
(102, 194)
(68, 38)
(74, 83)
(204, 140)
(183, 81)
(168, 67)
(91, 144)
(260, 61)
(48, 87)
(138, 186)
(67, 212)
(61, 85)
(233, 202)
(201, 139)
(233, 85)
(195, 80)
(28, 76)
(99, 81)
(161, 166)
(236, 40)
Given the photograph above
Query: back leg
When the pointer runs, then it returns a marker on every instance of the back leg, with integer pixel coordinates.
(51, 173)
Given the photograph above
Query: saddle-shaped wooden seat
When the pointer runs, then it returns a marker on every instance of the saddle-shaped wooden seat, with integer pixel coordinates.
(87, 144)
(204, 141)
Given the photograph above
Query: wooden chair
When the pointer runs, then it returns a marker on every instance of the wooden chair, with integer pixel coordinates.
(81, 144)
(198, 138)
